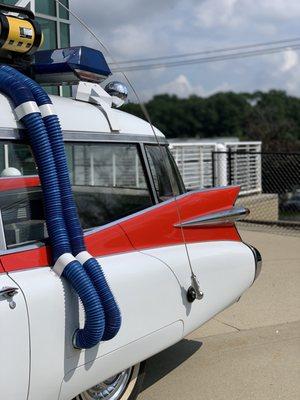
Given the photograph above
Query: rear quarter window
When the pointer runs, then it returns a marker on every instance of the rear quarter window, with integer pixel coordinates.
(166, 177)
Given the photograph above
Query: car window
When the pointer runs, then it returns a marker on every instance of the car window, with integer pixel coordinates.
(108, 181)
(22, 216)
(165, 174)
(109, 178)
(18, 156)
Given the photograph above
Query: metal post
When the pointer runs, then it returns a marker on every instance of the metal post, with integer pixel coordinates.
(229, 154)
(221, 169)
(201, 168)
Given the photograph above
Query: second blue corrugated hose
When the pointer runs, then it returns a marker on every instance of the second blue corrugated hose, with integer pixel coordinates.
(91, 265)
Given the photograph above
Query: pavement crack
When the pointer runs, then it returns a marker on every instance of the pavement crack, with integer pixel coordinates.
(225, 323)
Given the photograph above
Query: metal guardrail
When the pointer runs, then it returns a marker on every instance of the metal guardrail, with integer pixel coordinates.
(205, 164)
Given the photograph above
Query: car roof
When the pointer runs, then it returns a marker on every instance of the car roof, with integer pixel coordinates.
(79, 116)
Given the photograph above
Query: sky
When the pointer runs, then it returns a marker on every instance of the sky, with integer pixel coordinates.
(134, 29)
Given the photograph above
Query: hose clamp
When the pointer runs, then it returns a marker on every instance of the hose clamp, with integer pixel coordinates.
(47, 110)
(29, 107)
(62, 262)
(83, 257)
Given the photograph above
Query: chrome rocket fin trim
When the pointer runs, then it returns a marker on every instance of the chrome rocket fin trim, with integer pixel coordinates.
(216, 218)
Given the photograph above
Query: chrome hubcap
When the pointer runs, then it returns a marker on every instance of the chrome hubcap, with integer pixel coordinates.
(111, 389)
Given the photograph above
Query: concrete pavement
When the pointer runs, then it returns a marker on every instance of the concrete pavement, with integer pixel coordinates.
(250, 351)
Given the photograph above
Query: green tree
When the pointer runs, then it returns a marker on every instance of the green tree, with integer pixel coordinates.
(272, 117)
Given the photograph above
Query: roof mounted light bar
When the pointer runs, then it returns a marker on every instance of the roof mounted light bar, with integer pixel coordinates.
(69, 66)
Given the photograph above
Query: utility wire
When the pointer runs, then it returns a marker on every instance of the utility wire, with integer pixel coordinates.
(213, 51)
(203, 60)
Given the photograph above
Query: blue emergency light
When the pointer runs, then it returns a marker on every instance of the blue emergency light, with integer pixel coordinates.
(70, 66)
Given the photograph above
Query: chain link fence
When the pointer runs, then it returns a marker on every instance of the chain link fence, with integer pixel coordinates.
(276, 205)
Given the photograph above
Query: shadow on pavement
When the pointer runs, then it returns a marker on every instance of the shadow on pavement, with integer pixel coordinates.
(163, 363)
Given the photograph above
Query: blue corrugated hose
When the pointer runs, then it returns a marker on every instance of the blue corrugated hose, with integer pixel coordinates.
(92, 267)
(94, 326)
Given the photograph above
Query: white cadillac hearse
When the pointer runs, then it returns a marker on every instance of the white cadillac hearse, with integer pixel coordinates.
(171, 259)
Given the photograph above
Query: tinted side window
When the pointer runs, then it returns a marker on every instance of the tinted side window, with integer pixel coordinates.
(108, 181)
(21, 209)
(22, 216)
(18, 156)
(165, 176)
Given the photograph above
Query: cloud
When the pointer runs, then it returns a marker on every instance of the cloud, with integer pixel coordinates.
(217, 13)
(140, 29)
(180, 86)
(290, 61)
(232, 13)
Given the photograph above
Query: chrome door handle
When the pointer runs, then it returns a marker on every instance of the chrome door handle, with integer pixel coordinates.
(9, 292)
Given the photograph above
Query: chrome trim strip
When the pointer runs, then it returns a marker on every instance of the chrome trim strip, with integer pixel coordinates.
(2, 234)
(216, 218)
(212, 189)
(20, 177)
(108, 137)
(21, 248)
(74, 136)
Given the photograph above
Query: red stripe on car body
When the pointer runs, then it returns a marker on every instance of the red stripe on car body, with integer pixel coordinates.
(1, 268)
(151, 228)
(111, 240)
(156, 227)
(18, 182)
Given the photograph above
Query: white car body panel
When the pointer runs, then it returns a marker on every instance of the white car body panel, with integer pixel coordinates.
(224, 270)
(87, 375)
(140, 284)
(14, 345)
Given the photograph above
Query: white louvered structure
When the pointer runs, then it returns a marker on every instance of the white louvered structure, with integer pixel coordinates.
(208, 164)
